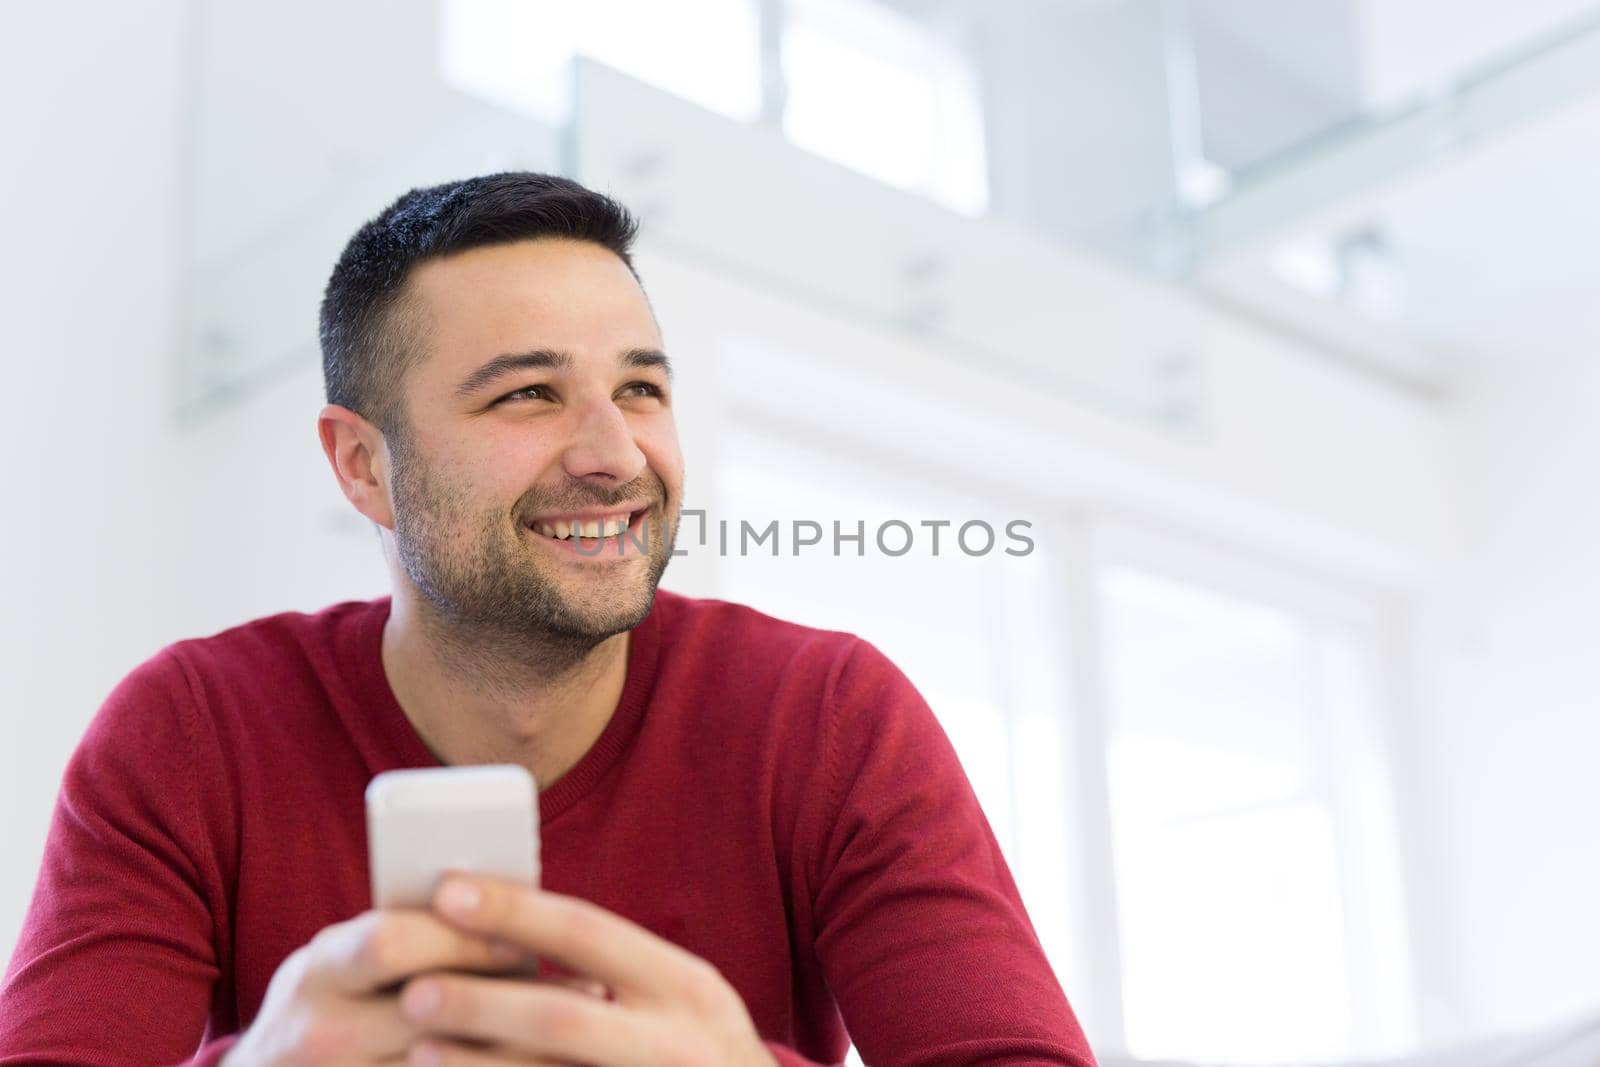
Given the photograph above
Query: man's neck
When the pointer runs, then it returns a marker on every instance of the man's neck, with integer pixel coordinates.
(473, 698)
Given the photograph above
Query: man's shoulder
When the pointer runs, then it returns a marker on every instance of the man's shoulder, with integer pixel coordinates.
(266, 642)
(206, 685)
(287, 660)
(732, 645)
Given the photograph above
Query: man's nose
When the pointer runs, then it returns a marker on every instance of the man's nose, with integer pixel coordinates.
(602, 445)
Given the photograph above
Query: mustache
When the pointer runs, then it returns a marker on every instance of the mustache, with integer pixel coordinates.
(578, 494)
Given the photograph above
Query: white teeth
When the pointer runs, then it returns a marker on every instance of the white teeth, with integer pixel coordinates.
(561, 530)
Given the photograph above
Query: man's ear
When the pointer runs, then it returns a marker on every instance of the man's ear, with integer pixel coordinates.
(359, 455)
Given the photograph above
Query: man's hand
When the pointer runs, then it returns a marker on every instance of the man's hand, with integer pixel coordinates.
(329, 1002)
(667, 1005)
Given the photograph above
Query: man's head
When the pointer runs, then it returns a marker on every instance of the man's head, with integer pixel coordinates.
(494, 373)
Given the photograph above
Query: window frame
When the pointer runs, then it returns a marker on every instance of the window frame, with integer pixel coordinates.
(1383, 1003)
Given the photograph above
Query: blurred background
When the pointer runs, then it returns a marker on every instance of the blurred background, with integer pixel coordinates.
(1277, 321)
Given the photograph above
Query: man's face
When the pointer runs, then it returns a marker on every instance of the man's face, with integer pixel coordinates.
(541, 407)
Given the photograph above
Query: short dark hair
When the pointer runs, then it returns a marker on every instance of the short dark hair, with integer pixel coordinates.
(368, 340)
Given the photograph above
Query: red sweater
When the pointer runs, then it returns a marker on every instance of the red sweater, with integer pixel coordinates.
(776, 799)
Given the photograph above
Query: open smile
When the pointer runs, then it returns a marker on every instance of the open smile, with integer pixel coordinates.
(596, 534)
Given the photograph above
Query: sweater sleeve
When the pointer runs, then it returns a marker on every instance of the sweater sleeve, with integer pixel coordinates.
(920, 930)
(116, 962)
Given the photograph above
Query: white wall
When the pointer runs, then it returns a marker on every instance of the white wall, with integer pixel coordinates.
(1515, 718)
(93, 193)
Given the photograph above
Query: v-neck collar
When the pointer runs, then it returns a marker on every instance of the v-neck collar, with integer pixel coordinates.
(388, 740)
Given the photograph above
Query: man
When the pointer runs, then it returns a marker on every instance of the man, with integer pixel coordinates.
(754, 834)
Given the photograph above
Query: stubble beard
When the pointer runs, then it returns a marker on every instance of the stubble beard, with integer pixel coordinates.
(492, 607)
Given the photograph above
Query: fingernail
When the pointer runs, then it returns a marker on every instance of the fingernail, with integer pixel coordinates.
(425, 1056)
(504, 952)
(459, 898)
(421, 1000)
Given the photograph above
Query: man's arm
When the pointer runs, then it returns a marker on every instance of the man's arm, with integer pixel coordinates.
(919, 926)
(117, 960)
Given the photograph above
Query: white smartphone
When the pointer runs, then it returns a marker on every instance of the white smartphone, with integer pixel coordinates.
(424, 822)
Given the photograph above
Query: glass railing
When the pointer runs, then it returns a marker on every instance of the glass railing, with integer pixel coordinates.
(1366, 151)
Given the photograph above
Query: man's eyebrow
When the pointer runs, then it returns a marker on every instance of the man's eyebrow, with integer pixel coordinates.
(549, 359)
(647, 357)
(499, 366)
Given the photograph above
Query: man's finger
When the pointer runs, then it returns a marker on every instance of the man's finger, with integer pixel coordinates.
(440, 1052)
(521, 1019)
(380, 948)
(632, 961)
(373, 1027)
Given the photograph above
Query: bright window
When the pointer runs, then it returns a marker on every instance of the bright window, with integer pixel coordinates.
(883, 95)
(1246, 793)
(515, 52)
(863, 86)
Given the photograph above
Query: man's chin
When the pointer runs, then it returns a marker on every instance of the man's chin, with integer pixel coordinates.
(605, 612)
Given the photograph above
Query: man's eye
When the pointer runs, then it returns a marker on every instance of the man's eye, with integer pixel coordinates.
(643, 389)
(527, 393)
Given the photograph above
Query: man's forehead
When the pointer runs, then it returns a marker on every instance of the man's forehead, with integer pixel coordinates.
(525, 270)
(556, 295)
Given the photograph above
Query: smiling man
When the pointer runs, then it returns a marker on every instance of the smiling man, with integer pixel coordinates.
(528, 469)
(754, 834)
